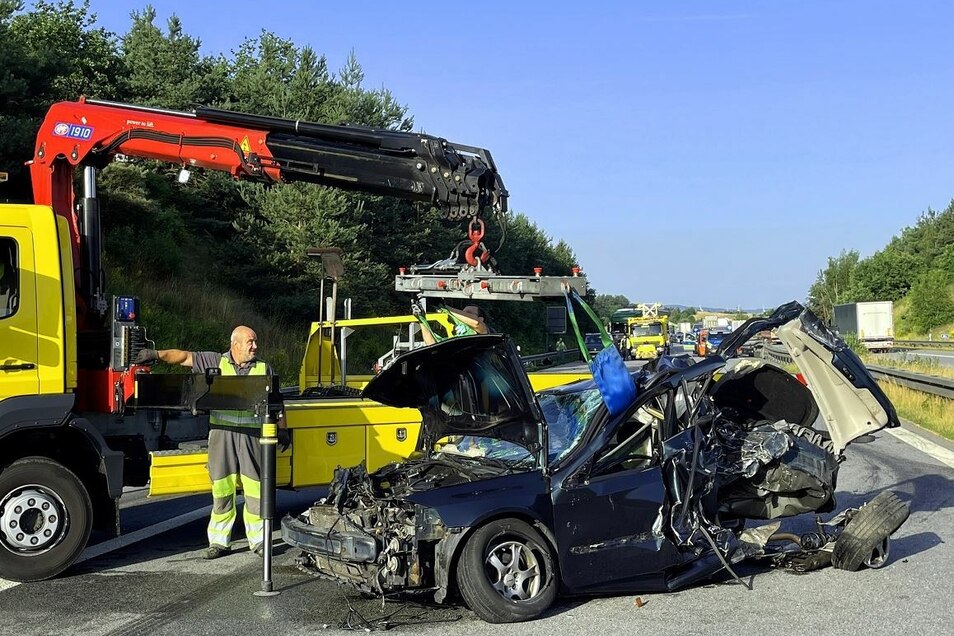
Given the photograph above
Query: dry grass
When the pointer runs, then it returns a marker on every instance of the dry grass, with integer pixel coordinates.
(199, 316)
(932, 412)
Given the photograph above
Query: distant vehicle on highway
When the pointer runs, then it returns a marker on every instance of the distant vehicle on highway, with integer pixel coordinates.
(593, 342)
(751, 348)
(715, 339)
(871, 322)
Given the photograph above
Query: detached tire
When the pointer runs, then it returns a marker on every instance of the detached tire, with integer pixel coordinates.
(506, 572)
(45, 519)
(865, 538)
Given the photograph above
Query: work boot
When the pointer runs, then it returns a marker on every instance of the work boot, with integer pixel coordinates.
(214, 552)
(259, 550)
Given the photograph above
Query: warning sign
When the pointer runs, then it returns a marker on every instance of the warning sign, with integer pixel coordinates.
(246, 147)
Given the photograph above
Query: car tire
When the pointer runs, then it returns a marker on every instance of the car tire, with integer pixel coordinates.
(50, 504)
(506, 572)
(865, 539)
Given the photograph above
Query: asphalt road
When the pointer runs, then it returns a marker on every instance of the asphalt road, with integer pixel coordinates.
(944, 358)
(162, 586)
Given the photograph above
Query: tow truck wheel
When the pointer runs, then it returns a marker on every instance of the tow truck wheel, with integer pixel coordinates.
(864, 541)
(506, 572)
(45, 519)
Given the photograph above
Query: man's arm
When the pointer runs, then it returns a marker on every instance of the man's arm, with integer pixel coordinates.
(176, 356)
(169, 356)
(476, 325)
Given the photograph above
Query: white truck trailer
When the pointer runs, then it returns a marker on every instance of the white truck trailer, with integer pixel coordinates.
(872, 322)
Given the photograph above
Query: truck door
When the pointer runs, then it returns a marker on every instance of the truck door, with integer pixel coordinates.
(19, 374)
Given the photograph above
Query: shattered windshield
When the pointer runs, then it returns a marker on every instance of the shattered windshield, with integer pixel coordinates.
(568, 417)
(488, 448)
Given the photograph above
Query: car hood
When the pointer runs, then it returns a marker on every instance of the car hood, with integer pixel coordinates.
(466, 385)
(848, 396)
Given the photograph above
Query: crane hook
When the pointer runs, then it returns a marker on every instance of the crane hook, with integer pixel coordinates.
(475, 232)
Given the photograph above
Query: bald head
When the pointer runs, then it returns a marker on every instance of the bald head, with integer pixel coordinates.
(243, 344)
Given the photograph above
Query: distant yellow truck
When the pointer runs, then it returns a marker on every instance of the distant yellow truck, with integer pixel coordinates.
(648, 337)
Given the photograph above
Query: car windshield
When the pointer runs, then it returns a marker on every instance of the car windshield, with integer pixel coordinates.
(647, 330)
(568, 417)
(593, 340)
(485, 448)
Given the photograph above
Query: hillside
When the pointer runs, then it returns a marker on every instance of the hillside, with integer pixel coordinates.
(915, 270)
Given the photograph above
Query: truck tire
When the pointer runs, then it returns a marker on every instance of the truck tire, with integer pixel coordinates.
(506, 572)
(865, 539)
(45, 519)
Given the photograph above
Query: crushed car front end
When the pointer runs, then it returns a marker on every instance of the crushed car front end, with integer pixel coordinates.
(363, 534)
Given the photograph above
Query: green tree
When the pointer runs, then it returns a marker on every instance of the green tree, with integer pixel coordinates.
(605, 304)
(931, 303)
(834, 284)
(686, 314)
(886, 275)
(166, 69)
(51, 53)
(271, 76)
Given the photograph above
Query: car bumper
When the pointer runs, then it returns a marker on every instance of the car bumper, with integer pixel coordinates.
(344, 545)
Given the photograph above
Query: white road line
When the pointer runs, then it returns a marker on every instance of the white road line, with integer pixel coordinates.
(143, 533)
(105, 547)
(926, 446)
(930, 355)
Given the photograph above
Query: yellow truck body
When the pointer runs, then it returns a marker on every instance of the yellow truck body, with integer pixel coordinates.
(329, 432)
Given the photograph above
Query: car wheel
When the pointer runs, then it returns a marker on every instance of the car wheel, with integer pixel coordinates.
(45, 519)
(506, 572)
(865, 539)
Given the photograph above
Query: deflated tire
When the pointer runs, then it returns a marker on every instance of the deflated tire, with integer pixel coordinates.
(865, 538)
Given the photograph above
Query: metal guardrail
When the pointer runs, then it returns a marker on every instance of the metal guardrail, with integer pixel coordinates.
(776, 353)
(943, 387)
(924, 344)
(549, 358)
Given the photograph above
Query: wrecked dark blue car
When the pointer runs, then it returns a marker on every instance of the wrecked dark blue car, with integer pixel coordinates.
(515, 497)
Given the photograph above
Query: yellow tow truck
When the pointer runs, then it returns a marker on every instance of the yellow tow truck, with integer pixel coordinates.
(648, 332)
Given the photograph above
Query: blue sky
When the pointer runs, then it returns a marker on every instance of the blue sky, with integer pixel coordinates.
(705, 153)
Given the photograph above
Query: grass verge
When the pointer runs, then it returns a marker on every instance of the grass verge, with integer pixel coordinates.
(932, 412)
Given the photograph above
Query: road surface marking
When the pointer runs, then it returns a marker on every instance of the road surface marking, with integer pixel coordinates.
(143, 533)
(926, 446)
(122, 541)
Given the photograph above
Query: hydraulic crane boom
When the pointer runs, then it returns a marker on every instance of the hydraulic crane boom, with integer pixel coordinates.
(461, 181)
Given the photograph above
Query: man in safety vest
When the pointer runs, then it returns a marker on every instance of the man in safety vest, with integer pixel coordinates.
(234, 449)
